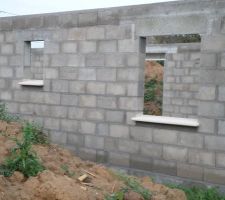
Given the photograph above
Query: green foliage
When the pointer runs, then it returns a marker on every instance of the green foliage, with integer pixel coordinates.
(67, 171)
(116, 196)
(133, 184)
(196, 193)
(36, 133)
(22, 158)
(4, 114)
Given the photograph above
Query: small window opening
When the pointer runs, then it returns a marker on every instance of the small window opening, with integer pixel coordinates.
(33, 60)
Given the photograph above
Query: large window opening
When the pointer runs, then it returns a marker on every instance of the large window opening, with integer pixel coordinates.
(171, 75)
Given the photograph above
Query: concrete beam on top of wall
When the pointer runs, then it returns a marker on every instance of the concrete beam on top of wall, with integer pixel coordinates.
(171, 25)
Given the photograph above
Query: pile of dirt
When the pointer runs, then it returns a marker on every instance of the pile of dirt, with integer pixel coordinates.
(153, 70)
(60, 180)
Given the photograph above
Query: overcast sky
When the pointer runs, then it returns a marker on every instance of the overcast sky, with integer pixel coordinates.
(21, 7)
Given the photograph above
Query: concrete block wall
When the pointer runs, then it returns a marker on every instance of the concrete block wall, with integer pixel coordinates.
(181, 81)
(93, 75)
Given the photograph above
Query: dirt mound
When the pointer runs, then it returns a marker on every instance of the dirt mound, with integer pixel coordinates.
(60, 180)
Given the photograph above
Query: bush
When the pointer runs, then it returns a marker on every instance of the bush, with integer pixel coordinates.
(22, 158)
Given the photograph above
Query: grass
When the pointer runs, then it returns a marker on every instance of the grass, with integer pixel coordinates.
(67, 171)
(197, 193)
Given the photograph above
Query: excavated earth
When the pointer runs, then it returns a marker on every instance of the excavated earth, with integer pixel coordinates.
(54, 183)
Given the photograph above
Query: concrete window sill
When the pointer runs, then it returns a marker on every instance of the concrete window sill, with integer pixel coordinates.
(31, 82)
(166, 120)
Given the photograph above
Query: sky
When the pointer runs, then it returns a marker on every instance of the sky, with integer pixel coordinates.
(22, 7)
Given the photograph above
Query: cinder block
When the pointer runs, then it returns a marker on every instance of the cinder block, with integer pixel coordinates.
(211, 109)
(151, 150)
(119, 131)
(118, 32)
(213, 42)
(95, 115)
(87, 19)
(76, 34)
(133, 89)
(51, 47)
(190, 140)
(51, 98)
(60, 85)
(207, 125)
(7, 49)
(58, 111)
(94, 142)
(208, 60)
(75, 60)
(69, 47)
(69, 100)
(59, 60)
(207, 92)
(142, 163)
(107, 46)
(127, 46)
(87, 74)
(215, 143)
(128, 74)
(76, 140)
(106, 74)
(95, 33)
(175, 153)
(87, 100)
(116, 89)
(87, 46)
(50, 73)
(58, 137)
(2, 37)
(133, 60)
(3, 60)
(87, 127)
(96, 88)
(214, 175)
(51, 123)
(131, 103)
(128, 146)
(221, 94)
(115, 60)
(221, 127)
(6, 72)
(69, 125)
(68, 73)
(102, 129)
(111, 144)
(165, 136)
(166, 167)
(95, 60)
(115, 116)
(119, 159)
(190, 171)
(220, 160)
(200, 157)
(106, 102)
(76, 113)
(6, 95)
(141, 134)
(77, 87)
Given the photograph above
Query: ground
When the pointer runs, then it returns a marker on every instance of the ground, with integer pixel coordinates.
(60, 179)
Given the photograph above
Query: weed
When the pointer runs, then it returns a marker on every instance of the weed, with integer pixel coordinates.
(4, 114)
(116, 196)
(36, 134)
(22, 158)
(67, 171)
(197, 193)
(133, 184)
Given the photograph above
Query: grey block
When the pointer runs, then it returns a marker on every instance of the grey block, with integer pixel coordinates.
(115, 116)
(95, 115)
(95, 33)
(214, 143)
(87, 19)
(190, 140)
(87, 127)
(119, 131)
(69, 125)
(87, 74)
(119, 159)
(116, 89)
(164, 136)
(69, 47)
(190, 171)
(151, 150)
(128, 146)
(87, 46)
(175, 153)
(106, 74)
(199, 157)
(108, 46)
(87, 100)
(96, 88)
(141, 134)
(94, 142)
(69, 100)
(106, 102)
